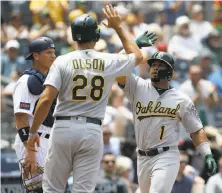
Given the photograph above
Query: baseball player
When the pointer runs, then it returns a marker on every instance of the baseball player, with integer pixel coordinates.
(25, 97)
(157, 110)
(83, 80)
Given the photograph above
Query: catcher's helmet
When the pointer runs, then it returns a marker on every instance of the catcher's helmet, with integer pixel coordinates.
(38, 45)
(166, 59)
(85, 29)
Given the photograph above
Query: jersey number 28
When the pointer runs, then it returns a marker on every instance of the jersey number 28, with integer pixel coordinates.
(94, 87)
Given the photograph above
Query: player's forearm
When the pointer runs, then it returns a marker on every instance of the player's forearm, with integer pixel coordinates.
(199, 137)
(41, 113)
(201, 142)
(129, 44)
(21, 120)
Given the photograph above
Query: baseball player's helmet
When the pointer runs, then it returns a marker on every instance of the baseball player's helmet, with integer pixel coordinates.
(85, 29)
(166, 59)
(38, 45)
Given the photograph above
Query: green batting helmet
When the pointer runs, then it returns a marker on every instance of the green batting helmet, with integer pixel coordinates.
(166, 59)
(85, 29)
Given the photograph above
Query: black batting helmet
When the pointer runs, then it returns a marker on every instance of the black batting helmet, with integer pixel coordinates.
(166, 59)
(85, 29)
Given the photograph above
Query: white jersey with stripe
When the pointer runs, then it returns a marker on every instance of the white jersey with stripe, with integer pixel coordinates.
(157, 116)
(24, 101)
(84, 79)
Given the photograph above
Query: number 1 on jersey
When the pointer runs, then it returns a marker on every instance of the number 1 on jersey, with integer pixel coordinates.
(162, 132)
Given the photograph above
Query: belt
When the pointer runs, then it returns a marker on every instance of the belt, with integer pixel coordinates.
(88, 119)
(153, 152)
(44, 135)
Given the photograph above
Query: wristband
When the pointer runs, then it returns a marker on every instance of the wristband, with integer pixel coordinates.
(33, 134)
(24, 133)
(204, 149)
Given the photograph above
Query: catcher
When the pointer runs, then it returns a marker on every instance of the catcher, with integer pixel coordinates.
(26, 95)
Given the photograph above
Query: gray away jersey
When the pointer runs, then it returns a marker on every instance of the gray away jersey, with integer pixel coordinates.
(157, 116)
(84, 79)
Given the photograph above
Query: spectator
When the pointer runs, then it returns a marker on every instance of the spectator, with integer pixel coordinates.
(198, 26)
(40, 29)
(206, 64)
(10, 61)
(174, 9)
(214, 184)
(4, 35)
(203, 94)
(57, 9)
(46, 27)
(110, 182)
(123, 116)
(124, 167)
(185, 183)
(131, 21)
(111, 144)
(15, 30)
(183, 45)
(9, 89)
(140, 26)
(212, 43)
(216, 78)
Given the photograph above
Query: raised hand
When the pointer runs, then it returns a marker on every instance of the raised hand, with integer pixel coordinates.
(146, 39)
(113, 18)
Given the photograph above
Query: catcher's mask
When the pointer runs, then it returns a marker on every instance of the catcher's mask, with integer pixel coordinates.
(32, 183)
(166, 59)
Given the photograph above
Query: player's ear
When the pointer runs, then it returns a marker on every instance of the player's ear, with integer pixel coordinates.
(35, 55)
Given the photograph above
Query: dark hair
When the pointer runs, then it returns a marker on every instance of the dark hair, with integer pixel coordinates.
(108, 153)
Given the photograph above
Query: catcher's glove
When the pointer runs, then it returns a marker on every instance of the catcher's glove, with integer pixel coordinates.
(32, 183)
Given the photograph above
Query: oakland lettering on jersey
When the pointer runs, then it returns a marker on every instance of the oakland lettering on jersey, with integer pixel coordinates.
(155, 110)
(95, 64)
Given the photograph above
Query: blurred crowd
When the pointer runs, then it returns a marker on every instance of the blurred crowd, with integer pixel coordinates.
(190, 31)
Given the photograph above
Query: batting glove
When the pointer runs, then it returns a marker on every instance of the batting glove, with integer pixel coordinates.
(210, 164)
(146, 39)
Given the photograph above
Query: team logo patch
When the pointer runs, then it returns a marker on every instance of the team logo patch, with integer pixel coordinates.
(25, 106)
(193, 111)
